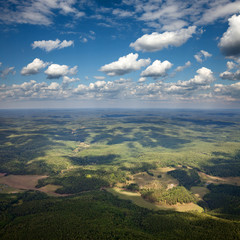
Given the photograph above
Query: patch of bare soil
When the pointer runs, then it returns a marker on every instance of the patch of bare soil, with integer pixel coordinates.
(219, 180)
(28, 182)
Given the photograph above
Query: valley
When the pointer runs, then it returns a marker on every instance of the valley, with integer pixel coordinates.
(152, 163)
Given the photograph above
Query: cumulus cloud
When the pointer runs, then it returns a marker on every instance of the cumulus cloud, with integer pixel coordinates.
(201, 81)
(51, 44)
(230, 76)
(230, 41)
(230, 91)
(56, 71)
(33, 90)
(142, 79)
(117, 89)
(157, 69)
(33, 67)
(54, 86)
(158, 41)
(196, 88)
(231, 65)
(204, 76)
(7, 71)
(124, 65)
(181, 68)
(67, 80)
(202, 55)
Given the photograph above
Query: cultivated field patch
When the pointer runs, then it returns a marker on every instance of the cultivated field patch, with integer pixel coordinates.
(16, 183)
(27, 182)
(219, 180)
(138, 200)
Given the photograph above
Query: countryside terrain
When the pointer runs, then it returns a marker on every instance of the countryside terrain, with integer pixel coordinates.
(119, 174)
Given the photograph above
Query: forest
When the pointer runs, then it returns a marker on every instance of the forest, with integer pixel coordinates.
(176, 174)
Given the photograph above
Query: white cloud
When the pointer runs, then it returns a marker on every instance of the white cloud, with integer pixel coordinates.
(7, 71)
(174, 14)
(51, 44)
(65, 43)
(168, 10)
(204, 76)
(181, 68)
(97, 84)
(198, 58)
(230, 91)
(230, 76)
(33, 90)
(86, 36)
(83, 39)
(230, 41)
(142, 79)
(158, 41)
(206, 54)
(54, 86)
(67, 80)
(231, 65)
(220, 10)
(202, 55)
(37, 12)
(33, 67)
(175, 25)
(56, 71)
(201, 81)
(117, 89)
(99, 77)
(121, 13)
(195, 89)
(124, 65)
(157, 69)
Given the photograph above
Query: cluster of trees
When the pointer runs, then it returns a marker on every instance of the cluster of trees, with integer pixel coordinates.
(92, 160)
(223, 198)
(172, 196)
(83, 180)
(141, 167)
(186, 177)
(226, 166)
(79, 184)
(133, 187)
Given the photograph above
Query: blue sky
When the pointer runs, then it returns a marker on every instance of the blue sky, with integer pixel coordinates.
(123, 53)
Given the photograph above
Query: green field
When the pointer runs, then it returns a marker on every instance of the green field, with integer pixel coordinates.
(154, 165)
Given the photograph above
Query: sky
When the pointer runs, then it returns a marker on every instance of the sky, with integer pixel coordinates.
(119, 54)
